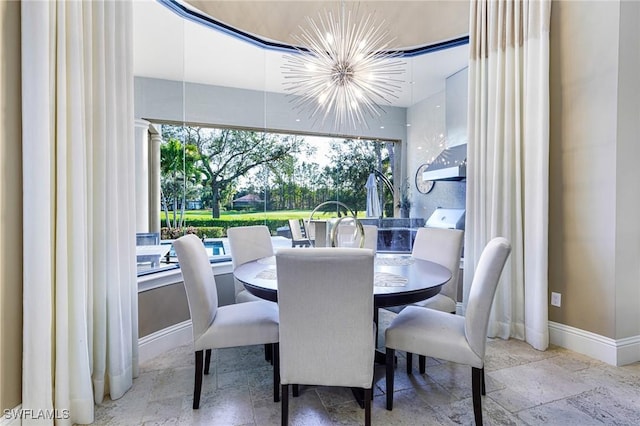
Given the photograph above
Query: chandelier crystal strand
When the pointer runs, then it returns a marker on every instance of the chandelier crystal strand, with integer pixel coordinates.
(344, 67)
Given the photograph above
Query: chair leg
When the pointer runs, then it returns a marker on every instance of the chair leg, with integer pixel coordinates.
(276, 371)
(197, 387)
(367, 407)
(285, 405)
(484, 390)
(207, 360)
(373, 382)
(389, 364)
(476, 389)
(375, 321)
(422, 363)
(268, 356)
(296, 391)
(409, 362)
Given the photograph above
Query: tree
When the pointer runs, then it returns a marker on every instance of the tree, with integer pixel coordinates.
(310, 180)
(282, 175)
(351, 163)
(179, 176)
(227, 154)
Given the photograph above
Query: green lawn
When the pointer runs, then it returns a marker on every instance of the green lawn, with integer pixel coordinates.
(234, 216)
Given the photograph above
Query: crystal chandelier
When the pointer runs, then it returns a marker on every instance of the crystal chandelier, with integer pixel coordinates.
(343, 68)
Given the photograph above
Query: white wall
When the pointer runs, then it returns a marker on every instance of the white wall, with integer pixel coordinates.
(426, 138)
(166, 100)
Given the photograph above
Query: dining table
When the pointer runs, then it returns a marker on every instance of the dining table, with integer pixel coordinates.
(399, 279)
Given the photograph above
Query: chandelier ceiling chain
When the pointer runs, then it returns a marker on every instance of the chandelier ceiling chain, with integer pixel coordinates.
(343, 68)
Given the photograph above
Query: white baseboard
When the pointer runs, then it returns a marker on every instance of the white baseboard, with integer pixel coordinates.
(612, 351)
(163, 340)
(8, 419)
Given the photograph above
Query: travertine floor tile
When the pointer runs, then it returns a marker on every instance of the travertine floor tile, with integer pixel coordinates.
(541, 381)
(524, 387)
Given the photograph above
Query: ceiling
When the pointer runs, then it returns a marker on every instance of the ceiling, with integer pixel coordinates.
(430, 21)
(170, 46)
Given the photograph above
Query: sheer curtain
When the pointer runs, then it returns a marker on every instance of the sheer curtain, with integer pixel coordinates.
(80, 295)
(508, 158)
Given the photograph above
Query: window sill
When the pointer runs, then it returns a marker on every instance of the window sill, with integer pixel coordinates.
(172, 274)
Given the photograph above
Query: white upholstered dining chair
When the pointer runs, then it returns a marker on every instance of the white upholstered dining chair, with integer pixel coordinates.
(325, 297)
(371, 237)
(243, 324)
(438, 334)
(248, 243)
(442, 246)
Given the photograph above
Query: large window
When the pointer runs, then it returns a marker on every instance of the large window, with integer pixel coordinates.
(215, 178)
(228, 171)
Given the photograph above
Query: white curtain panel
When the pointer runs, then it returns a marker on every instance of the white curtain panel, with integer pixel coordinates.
(80, 293)
(508, 159)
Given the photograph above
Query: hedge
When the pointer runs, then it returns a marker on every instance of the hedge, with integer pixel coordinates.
(216, 228)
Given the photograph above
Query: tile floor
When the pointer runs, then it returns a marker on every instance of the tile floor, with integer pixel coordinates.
(524, 387)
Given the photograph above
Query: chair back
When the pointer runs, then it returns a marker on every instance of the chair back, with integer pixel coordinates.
(371, 237)
(199, 282)
(442, 246)
(483, 289)
(248, 243)
(325, 300)
(296, 230)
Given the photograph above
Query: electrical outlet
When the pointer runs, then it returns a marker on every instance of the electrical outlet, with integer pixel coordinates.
(556, 299)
